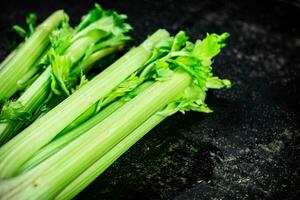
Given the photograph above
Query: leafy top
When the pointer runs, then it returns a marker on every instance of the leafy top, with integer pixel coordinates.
(194, 59)
(171, 55)
(31, 21)
(99, 29)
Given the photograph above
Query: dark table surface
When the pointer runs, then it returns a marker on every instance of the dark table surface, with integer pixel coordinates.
(249, 147)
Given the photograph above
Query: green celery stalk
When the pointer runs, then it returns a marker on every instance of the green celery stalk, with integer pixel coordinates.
(89, 175)
(46, 180)
(78, 49)
(30, 75)
(26, 55)
(8, 58)
(62, 141)
(92, 110)
(31, 99)
(87, 64)
(31, 22)
(14, 153)
(66, 137)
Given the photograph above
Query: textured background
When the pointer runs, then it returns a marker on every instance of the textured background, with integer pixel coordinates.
(248, 148)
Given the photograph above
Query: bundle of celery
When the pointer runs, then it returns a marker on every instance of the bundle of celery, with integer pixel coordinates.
(164, 75)
(71, 55)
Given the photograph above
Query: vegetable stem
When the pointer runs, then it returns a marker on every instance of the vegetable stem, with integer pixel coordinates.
(66, 136)
(60, 142)
(30, 99)
(89, 175)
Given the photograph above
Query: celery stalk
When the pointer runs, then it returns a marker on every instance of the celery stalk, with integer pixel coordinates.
(62, 141)
(8, 58)
(89, 175)
(66, 136)
(87, 64)
(31, 99)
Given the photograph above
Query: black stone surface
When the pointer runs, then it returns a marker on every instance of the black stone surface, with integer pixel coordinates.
(249, 147)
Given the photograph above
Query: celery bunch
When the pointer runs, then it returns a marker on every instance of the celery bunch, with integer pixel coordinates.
(56, 157)
(69, 125)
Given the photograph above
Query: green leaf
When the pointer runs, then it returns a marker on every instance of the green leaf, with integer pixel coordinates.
(128, 85)
(196, 61)
(191, 99)
(60, 66)
(208, 48)
(61, 38)
(20, 31)
(99, 29)
(179, 41)
(195, 93)
(31, 20)
(14, 111)
(198, 108)
(162, 71)
(217, 83)
(190, 70)
(160, 50)
(82, 82)
(189, 46)
(91, 17)
(163, 74)
(104, 20)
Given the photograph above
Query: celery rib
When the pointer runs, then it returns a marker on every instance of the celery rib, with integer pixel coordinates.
(9, 57)
(66, 136)
(31, 99)
(89, 175)
(60, 142)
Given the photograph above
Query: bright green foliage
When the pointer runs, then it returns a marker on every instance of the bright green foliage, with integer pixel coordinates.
(14, 111)
(109, 18)
(195, 60)
(106, 27)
